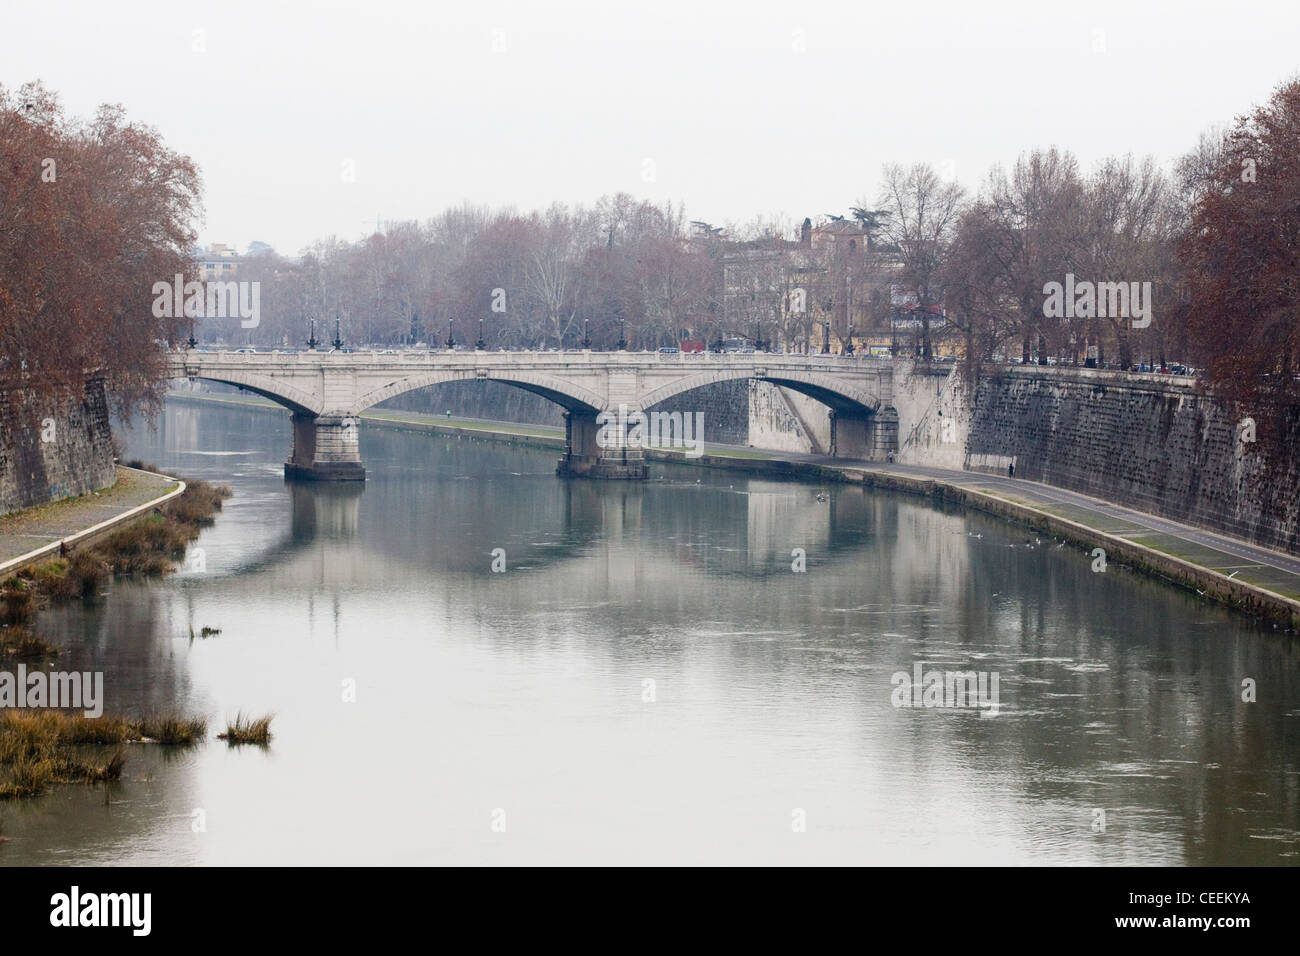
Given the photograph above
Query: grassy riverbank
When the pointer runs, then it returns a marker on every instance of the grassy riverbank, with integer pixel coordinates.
(41, 748)
(150, 546)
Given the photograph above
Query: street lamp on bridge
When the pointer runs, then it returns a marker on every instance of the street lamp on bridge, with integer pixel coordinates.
(622, 342)
(451, 341)
(480, 345)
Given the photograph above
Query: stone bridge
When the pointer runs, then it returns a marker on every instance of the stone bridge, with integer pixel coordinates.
(327, 391)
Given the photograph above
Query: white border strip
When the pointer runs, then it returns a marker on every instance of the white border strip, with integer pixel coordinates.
(30, 557)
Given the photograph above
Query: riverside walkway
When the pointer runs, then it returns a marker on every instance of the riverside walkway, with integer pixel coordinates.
(34, 534)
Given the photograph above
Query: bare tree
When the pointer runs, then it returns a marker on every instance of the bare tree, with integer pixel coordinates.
(917, 216)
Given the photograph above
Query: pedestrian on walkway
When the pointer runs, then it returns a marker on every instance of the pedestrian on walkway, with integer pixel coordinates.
(1011, 470)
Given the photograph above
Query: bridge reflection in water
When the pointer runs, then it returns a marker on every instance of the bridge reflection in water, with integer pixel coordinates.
(333, 542)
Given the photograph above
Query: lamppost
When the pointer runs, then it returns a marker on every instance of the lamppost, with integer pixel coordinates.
(826, 337)
(311, 336)
(338, 339)
(192, 342)
(451, 342)
(622, 342)
(586, 334)
(480, 345)
(848, 346)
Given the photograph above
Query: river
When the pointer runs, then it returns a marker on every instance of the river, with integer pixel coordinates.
(649, 680)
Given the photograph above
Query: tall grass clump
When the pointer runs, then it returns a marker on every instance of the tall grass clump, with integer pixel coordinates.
(247, 730)
(170, 730)
(29, 758)
(197, 506)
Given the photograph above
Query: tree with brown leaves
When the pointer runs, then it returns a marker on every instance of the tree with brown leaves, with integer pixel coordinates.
(1242, 253)
(92, 214)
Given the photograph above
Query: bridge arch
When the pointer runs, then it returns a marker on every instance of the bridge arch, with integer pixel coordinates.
(284, 393)
(569, 395)
(827, 389)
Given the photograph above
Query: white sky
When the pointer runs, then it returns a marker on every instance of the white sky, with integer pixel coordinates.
(734, 119)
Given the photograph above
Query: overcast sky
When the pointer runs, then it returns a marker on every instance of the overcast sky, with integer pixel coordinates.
(731, 108)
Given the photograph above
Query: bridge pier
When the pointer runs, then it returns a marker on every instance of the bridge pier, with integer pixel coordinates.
(884, 434)
(586, 455)
(870, 435)
(325, 448)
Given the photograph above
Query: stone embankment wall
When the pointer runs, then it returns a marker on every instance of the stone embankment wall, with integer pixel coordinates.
(54, 449)
(480, 399)
(785, 420)
(725, 406)
(934, 415)
(1147, 441)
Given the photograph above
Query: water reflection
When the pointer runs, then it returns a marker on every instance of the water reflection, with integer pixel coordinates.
(650, 681)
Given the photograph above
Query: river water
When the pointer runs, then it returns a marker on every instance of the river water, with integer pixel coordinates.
(649, 681)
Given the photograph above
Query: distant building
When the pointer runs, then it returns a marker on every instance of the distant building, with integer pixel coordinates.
(218, 262)
(845, 236)
(786, 291)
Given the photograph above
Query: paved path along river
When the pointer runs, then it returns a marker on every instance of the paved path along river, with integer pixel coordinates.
(32, 529)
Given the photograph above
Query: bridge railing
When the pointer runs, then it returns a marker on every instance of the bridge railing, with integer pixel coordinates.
(474, 358)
